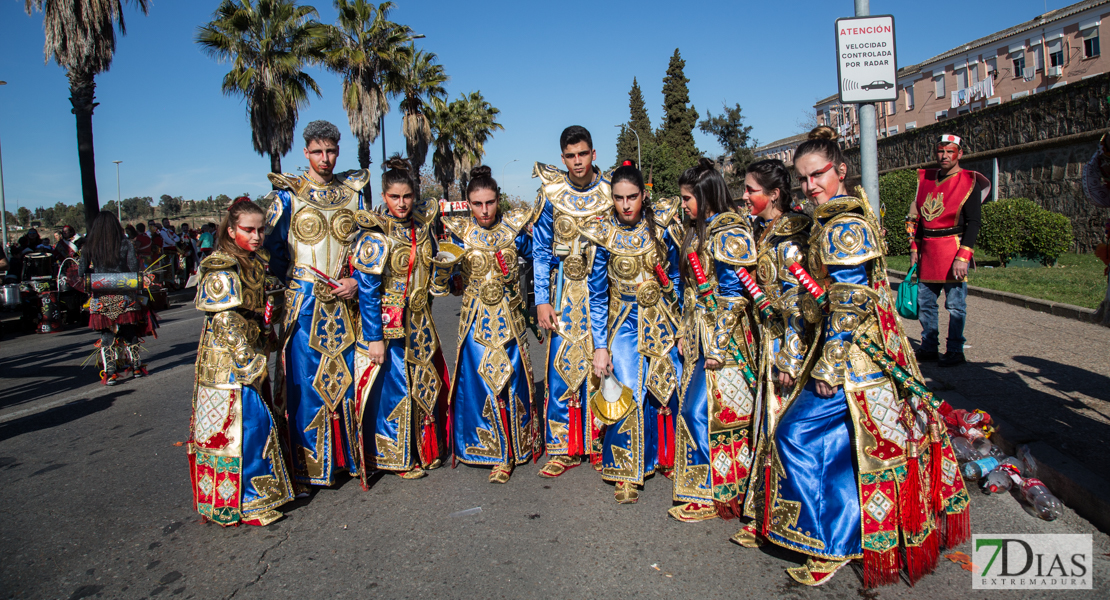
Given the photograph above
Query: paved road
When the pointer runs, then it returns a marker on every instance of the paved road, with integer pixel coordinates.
(97, 504)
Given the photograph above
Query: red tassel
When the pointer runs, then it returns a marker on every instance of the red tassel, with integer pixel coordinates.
(574, 424)
(666, 443)
(935, 483)
(880, 568)
(429, 441)
(506, 430)
(340, 459)
(767, 485)
(922, 560)
(958, 528)
(728, 510)
(913, 518)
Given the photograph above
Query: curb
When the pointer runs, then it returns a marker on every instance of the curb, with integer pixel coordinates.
(1076, 486)
(1067, 311)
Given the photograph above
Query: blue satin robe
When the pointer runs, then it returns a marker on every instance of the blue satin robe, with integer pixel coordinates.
(630, 368)
(545, 263)
(470, 412)
(391, 386)
(813, 441)
(303, 401)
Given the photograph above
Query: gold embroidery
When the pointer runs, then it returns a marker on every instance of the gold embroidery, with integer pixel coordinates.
(933, 206)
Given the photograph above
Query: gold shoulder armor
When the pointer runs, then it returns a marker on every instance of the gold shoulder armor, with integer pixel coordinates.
(355, 180)
(518, 218)
(666, 210)
(219, 260)
(425, 210)
(370, 252)
(219, 289)
(369, 219)
(836, 206)
(287, 181)
(732, 241)
(547, 173)
(792, 224)
(263, 254)
(456, 225)
(847, 238)
(273, 213)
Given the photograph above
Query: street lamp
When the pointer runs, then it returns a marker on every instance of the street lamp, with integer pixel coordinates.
(639, 164)
(507, 164)
(119, 206)
(381, 117)
(3, 207)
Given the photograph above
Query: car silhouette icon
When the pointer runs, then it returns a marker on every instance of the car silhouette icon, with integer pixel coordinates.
(878, 84)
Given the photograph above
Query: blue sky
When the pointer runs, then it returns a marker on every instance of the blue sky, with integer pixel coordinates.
(545, 66)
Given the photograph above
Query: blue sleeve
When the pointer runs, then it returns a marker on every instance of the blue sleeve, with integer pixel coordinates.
(599, 298)
(673, 266)
(276, 242)
(370, 305)
(728, 282)
(541, 254)
(524, 245)
(856, 274)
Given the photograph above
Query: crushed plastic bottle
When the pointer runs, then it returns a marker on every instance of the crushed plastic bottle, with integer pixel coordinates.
(977, 469)
(1003, 478)
(1044, 504)
(1028, 463)
(964, 450)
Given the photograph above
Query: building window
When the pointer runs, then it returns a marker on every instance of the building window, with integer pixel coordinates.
(961, 79)
(892, 107)
(992, 67)
(828, 119)
(1055, 53)
(1019, 62)
(1090, 43)
(1038, 57)
(909, 96)
(939, 82)
(911, 125)
(974, 69)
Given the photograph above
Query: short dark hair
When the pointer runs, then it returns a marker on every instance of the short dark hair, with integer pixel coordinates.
(320, 130)
(574, 135)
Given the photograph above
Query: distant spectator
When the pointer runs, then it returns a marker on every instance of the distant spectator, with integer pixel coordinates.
(207, 239)
(131, 232)
(142, 245)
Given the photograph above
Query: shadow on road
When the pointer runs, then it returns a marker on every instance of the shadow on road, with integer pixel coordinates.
(60, 415)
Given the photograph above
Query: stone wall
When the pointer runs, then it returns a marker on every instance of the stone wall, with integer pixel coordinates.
(1048, 173)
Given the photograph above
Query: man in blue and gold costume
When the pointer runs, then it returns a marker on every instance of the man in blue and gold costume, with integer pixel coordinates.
(311, 226)
(492, 416)
(561, 258)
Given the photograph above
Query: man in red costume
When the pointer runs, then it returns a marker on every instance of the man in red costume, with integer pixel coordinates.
(943, 223)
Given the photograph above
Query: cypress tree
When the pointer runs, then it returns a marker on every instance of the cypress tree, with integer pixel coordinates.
(679, 118)
(639, 122)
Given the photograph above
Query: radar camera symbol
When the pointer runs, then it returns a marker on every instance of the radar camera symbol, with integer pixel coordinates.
(850, 85)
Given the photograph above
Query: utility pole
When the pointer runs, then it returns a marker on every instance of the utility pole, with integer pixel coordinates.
(868, 137)
(3, 207)
(119, 202)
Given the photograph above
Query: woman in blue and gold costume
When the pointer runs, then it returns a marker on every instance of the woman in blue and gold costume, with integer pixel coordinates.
(237, 462)
(401, 379)
(492, 416)
(717, 392)
(634, 322)
(861, 468)
(782, 236)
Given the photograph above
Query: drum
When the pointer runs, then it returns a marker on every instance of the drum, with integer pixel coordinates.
(9, 296)
(37, 265)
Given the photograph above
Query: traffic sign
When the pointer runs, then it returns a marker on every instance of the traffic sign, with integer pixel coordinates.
(866, 62)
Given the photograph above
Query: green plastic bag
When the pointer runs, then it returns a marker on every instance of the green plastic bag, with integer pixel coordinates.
(907, 295)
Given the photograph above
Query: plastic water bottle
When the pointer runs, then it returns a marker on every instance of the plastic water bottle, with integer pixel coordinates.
(1045, 505)
(1028, 463)
(1002, 479)
(977, 469)
(964, 450)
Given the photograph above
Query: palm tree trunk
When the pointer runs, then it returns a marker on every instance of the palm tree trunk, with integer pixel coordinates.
(363, 154)
(275, 163)
(82, 90)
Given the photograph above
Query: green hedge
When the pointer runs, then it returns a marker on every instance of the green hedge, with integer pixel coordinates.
(896, 191)
(1020, 227)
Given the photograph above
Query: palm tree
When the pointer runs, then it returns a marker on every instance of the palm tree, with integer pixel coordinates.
(269, 43)
(444, 127)
(80, 37)
(417, 78)
(363, 48)
(477, 122)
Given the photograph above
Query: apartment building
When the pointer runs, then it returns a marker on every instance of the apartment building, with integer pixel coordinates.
(1041, 54)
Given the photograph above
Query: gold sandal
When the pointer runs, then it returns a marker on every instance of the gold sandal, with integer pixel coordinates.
(415, 473)
(500, 474)
(559, 465)
(692, 512)
(626, 493)
(816, 571)
(748, 537)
